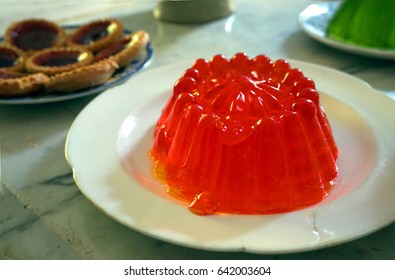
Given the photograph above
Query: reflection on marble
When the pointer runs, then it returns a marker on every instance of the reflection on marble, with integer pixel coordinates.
(42, 213)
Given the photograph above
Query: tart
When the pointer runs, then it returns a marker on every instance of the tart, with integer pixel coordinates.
(245, 136)
(97, 34)
(35, 34)
(83, 77)
(14, 83)
(57, 60)
(126, 49)
(11, 58)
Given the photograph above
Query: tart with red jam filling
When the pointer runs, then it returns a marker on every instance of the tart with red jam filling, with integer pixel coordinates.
(13, 83)
(126, 49)
(97, 34)
(32, 35)
(57, 60)
(11, 58)
(83, 77)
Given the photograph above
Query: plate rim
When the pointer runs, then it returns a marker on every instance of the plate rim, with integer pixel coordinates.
(164, 237)
(129, 70)
(320, 36)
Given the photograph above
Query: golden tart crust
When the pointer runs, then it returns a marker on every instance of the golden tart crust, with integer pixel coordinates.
(97, 34)
(31, 35)
(46, 59)
(57, 60)
(83, 77)
(126, 49)
(14, 83)
(16, 58)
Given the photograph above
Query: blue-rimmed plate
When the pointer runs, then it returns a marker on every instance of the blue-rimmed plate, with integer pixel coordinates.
(120, 76)
(314, 22)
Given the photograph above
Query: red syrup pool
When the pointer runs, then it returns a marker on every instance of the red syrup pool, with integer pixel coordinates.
(245, 136)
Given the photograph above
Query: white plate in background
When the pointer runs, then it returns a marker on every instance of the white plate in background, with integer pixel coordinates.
(314, 21)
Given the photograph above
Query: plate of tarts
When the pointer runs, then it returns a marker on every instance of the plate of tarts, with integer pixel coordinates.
(42, 62)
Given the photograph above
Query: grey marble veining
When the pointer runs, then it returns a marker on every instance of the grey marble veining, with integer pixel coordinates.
(43, 215)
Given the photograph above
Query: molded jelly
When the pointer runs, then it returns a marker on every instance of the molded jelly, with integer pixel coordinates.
(245, 136)
(364, 22)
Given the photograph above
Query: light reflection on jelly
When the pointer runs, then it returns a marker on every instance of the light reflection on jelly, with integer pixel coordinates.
(245, 136)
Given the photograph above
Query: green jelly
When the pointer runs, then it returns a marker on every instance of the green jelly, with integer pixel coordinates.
(368, 23)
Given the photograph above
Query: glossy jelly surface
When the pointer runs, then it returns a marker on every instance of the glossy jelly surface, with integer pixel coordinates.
(245, 136)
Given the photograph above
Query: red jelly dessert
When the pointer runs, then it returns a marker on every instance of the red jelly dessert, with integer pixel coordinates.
(245, 136)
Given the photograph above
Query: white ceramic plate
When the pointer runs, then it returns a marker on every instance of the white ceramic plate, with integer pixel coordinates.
(112, 169)
(314, 21)
(120, 76)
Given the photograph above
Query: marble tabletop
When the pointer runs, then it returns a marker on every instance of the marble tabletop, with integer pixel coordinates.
(43, 215)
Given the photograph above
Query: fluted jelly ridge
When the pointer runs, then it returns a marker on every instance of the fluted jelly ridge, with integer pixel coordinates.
(245, 135)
